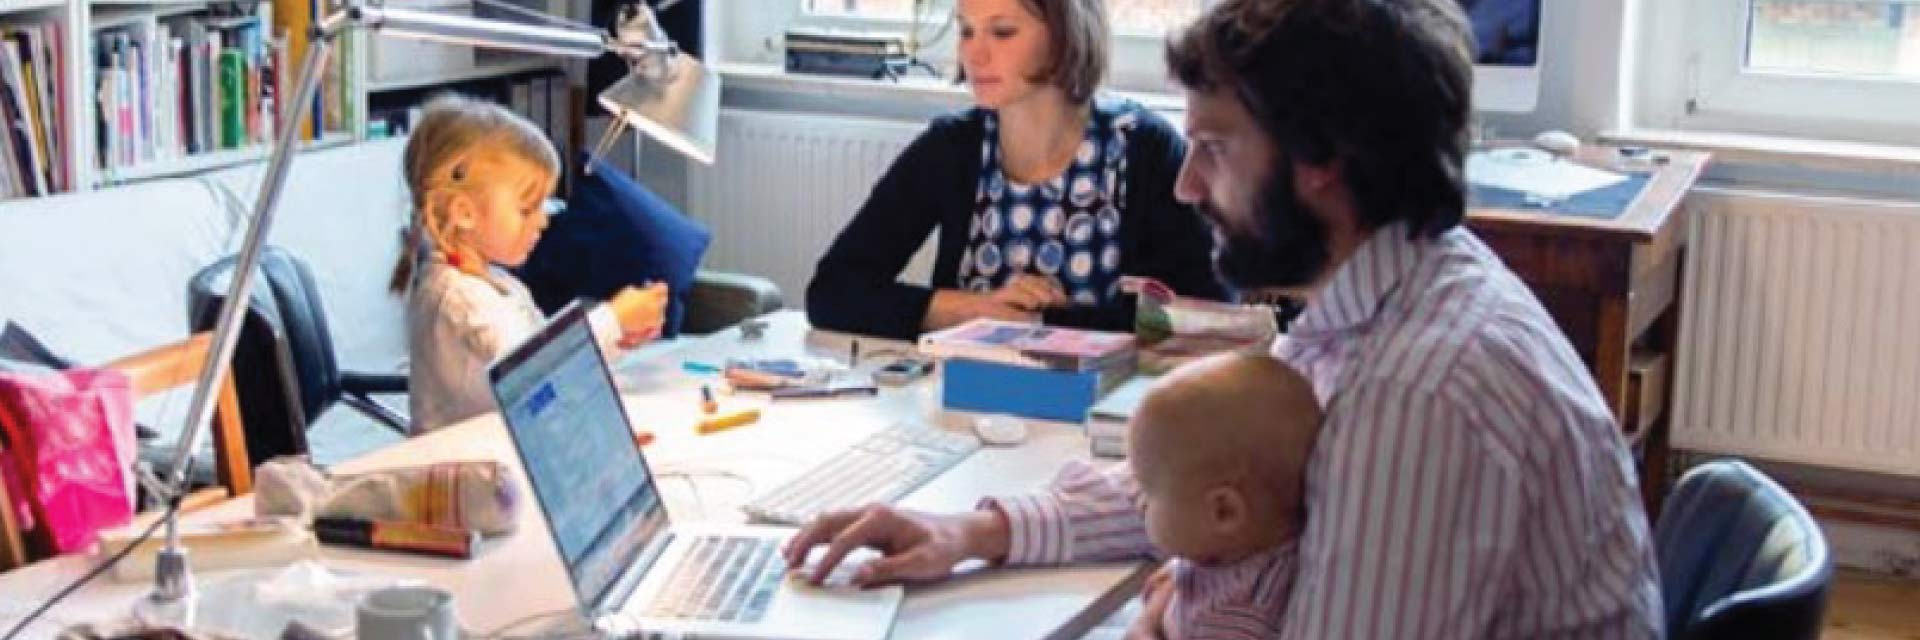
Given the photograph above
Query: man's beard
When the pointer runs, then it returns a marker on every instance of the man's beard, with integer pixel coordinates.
(1290, 250)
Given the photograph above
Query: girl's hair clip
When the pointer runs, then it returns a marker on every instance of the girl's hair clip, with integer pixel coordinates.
(554, 206)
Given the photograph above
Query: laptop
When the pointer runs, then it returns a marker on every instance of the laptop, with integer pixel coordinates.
(634, 570)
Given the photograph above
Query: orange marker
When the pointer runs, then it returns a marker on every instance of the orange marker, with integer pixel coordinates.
(727, 421)
(643, 437)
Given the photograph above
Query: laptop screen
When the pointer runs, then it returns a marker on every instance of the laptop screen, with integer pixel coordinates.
(578, 451)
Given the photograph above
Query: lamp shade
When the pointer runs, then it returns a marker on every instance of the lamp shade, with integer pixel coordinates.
(678, 106)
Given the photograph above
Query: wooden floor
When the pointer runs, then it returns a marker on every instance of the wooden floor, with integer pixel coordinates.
(1869, 607)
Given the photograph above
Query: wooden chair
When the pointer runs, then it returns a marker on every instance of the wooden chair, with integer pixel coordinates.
(151, 372)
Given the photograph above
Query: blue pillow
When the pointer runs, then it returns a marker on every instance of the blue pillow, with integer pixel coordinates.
(615, 233)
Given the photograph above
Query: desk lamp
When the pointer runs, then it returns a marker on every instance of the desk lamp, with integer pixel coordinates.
(668, 95)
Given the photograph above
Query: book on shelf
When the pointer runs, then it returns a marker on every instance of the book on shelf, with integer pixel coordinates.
(34, 147)
(174, 86)
(1029, 345)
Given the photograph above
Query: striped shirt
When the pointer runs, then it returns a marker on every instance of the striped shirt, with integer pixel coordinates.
(1243, 600)
(1469, 480)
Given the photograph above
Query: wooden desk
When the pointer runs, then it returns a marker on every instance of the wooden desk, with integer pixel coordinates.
(520, 574)
(1613, 285)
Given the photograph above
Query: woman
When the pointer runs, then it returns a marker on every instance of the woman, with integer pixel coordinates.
(1043, 196)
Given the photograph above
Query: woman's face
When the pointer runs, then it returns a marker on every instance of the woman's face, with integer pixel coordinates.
(1003, 46)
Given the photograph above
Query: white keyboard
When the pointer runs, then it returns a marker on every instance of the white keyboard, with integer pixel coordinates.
(881, 468)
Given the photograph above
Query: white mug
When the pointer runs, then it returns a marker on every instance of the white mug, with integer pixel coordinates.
(407, 613)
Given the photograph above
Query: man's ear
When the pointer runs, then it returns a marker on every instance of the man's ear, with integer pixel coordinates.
(1315, 178)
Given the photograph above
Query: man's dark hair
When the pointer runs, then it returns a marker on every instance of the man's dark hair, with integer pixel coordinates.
(1385, 87)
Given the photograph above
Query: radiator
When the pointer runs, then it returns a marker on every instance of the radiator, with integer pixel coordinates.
(785, 184)
(1800, 339)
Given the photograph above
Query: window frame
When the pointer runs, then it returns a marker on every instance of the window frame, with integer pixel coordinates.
(1692, 60)
(1136, 65)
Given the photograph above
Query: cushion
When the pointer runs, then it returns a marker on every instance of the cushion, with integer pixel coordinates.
(615, 233)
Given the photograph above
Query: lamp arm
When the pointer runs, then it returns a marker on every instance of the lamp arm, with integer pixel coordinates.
(227, 329)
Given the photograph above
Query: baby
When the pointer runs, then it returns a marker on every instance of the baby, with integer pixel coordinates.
(1219, 448)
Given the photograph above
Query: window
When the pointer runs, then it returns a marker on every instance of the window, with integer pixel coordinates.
(1130, 17)
(1850, 38)
(1830, 69)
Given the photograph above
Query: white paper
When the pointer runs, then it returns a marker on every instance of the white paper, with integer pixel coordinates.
(1535, 172)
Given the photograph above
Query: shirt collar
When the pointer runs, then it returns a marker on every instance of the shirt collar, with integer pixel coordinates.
(491, 275)
(1227, 578)
(1359, 285)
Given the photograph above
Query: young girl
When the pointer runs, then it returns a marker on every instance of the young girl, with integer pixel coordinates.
(480, 177)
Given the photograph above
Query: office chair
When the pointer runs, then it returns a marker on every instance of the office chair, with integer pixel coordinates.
(285, 365)
(1740, 558)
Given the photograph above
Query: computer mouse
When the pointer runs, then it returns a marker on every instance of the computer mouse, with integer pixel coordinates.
(1559, 142)
(1001, 430)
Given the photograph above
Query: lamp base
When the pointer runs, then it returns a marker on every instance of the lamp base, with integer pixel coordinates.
(174, 598)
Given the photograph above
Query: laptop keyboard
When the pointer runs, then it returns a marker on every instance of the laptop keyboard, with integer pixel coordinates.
(723, 579)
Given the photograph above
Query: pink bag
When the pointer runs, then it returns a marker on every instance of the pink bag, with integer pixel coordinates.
(70, 438)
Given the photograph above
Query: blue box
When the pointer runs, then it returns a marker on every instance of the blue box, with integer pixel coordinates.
(1045, 394)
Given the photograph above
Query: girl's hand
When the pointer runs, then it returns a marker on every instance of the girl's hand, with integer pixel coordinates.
(642, 312)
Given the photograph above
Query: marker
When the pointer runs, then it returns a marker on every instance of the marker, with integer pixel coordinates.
(824, 392)
(707, 404)
(727, 421)
(396, 535)
(701, 368)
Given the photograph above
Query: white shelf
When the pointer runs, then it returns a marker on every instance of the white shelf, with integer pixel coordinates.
(475, 73)
(209, 161)
(22, 6)
(109, 16)
(147, 3)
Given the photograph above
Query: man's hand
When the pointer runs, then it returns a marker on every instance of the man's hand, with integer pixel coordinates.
(915, 546)
(1155, 596)
(642, 312)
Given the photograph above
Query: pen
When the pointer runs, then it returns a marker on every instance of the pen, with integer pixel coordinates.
(707, 404)
(823, 392)
(699, 368)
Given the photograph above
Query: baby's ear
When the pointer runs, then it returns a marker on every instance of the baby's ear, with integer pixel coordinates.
(1227, 506)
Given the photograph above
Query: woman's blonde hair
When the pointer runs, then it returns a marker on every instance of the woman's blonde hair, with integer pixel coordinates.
(450, 129)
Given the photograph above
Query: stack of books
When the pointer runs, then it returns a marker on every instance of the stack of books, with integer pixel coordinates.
(1107, 420)
(1030, 370)
(33, 103)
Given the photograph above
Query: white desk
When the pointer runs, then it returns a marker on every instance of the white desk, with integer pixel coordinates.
(520, 574)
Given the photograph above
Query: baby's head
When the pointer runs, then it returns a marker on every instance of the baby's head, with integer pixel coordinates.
(1220, 449)
(480, 176)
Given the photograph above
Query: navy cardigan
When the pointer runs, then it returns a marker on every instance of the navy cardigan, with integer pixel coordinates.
(932, 185)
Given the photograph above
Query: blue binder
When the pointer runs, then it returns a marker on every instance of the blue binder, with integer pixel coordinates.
(1046, 394)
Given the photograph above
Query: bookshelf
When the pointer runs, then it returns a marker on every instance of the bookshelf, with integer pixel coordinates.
(77, 45)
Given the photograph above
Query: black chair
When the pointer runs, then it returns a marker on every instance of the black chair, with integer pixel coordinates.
(1740, 558)
(285, 368)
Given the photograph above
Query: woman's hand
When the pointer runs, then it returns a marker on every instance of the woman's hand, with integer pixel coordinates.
(1031, 293)
(1021, 299)
(642, 312)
